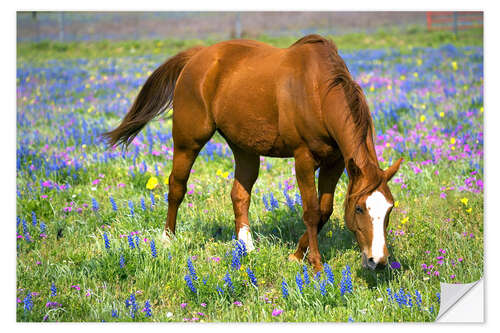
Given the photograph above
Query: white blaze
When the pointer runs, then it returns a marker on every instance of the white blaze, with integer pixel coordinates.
(377, 206)
(245, 235)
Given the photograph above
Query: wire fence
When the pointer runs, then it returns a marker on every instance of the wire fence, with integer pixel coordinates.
(85, 26)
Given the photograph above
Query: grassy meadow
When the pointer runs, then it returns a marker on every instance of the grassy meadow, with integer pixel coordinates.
(90, 221)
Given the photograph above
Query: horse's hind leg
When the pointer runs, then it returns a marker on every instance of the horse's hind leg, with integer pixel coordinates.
(245, 175)
(191, 130)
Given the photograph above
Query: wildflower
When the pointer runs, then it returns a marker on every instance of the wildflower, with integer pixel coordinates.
(42, 228)
(298, 280)
(322, 287)
(137, 241)
(418, 298)
(273, 201)
(235, 261)
(289, 201)
(122, 261)
(452, 276)
(350, 320)
(95, 205)
(191, 269)
(329, 274)
(28, 302)
(241, 248)
(422, 118)
(147, 309)
(276, 312)
(284, 288)
(229, 283)
(395, 265)
(165, 196)
(143, 204)
(438, 295)
(183, 305)
(131, 206)
(345, 282)
(237, 303)
(220, 290)
(266, 204)
(152, 199)
(464, 201)
(106, 241)
(153, 248)
(306, 275)
(77, 287)
(152, 183)
(33, 218)
(189, 283)
(204, 305)
(114, 313)
(131, 302)
(53, 290)
(130, 242)
(52, 305)
(113, 203)
(390, 296)
(252, 276)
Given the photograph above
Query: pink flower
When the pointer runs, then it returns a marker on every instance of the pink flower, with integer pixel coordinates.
(424, 266)
(96, 181)
(38, 262)
(121, 185)
(442, 195)
(216, 259)
(436, 273)
(277, 312)
(43, 196)
(77, 287)
(452, 276)
(183, 305)
(237, 303)
(204, 305)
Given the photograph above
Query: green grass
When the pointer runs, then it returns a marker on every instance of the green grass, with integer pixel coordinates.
(74, 253)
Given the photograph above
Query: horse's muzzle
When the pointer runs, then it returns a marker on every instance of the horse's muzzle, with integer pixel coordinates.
(369, 263)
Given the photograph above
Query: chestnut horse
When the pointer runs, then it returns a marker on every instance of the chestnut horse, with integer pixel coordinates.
(298, 102)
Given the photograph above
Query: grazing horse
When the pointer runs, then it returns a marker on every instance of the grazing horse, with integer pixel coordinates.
(298, 102)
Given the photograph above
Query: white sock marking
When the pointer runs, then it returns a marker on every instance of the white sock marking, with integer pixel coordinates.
(245, 235)
(377, 206)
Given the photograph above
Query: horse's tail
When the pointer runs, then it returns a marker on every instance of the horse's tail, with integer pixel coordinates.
(154, 98)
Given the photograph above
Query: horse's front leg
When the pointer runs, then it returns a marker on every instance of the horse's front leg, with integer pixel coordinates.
(305, 166)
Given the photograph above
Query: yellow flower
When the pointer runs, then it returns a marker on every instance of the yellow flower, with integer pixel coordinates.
(242, 268)
(387, 144)
(372, 88)
(152, 183)
(165, 181)
(396, 203)
(415, 74)
(219, 172)
(464, 201)
(422, 118)
(403, 221)
(402, 77)
(225, 174)
(452, 147)
(469, 210)
(441, 114)
(481, 109)
(454, 65)
(452, 141)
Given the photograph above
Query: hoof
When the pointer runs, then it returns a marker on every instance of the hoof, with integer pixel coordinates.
(292, 257)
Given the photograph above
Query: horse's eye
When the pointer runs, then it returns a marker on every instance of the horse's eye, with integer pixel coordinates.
(359, 210)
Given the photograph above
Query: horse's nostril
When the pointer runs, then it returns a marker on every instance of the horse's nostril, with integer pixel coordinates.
(371, 263)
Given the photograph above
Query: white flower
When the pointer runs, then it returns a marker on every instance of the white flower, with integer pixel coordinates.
(169, 314)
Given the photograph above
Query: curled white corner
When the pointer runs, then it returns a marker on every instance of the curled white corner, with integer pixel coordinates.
(462, 303)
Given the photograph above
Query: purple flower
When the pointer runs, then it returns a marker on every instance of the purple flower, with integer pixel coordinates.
(277, 312)
(52, 305)
(203, 305)
(395, 265)
(183, 305)
(237, 303)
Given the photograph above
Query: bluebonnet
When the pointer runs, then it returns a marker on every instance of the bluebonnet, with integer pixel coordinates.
(274, 202)
(220, 290)
(289, 201)
(95, 205)
(130, 242)
(322, 287)
(28, 302)
(409, 302)
(143, 204)
(131, 206)
(431, 309)
(205, 279)
(390, 297)
(345, 282)
(33, 218)
(25, 227)
(241, 248)
(152, 198)
(235, 261)
(300, 283)
(329, 274)
(438, 295)
(147, 309)
(137, 241)
(400, 297)
(227, 280)
(53, 290)
(189, 283)
(131, 302)
(418, 298)
(42, 227)
(113, 203)
(350, 320)
(306, 275)
(114, 313)
(266, 204)
(122, 261)
(106, 241)
(153, 248)
(251, 275)
(165, 196)
(317, 276)
(156, 170)
(284, 288)
(298, 199)
(191, 269)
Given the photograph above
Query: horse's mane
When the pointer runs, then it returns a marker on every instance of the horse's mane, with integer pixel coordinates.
(340, 75)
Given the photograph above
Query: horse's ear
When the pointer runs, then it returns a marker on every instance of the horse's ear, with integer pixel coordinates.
(391, 171)
(352, 168)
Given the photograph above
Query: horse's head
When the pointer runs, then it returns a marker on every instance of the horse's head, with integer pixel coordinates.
(367, 208)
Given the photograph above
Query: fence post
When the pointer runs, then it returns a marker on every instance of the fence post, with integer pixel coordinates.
(455, 23)
(61, 27)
